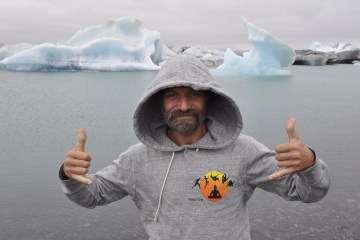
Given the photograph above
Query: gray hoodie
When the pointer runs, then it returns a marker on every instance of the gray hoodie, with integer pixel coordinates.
(197, 191)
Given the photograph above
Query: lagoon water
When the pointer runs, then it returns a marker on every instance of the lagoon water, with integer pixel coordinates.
(41, 112)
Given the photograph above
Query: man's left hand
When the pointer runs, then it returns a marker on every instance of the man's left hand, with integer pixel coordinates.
(293, 156)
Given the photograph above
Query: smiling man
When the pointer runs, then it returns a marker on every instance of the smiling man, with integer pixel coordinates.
(184, 113)
(200, 169)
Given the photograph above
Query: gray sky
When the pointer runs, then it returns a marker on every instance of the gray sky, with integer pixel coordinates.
(211, 23)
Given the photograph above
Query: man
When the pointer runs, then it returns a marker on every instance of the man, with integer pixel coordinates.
(189, 131)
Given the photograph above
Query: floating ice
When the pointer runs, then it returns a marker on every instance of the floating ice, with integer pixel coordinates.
(120, 45)
(268, 56)
(335, 47)
(9, 50)
(209, 57)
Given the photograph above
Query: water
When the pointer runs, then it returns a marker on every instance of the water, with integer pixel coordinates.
(41, 112)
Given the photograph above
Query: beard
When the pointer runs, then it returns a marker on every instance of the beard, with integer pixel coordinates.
(187, 126)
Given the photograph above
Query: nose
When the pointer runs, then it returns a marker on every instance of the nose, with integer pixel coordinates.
(183, 104)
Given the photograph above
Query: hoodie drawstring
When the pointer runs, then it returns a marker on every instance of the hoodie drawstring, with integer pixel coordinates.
(162, 188)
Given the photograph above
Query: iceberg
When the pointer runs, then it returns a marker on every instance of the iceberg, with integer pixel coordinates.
(268, 57)
(119, 45)
(9, 50)
(344, 52)
(335, 47)
(209, 57)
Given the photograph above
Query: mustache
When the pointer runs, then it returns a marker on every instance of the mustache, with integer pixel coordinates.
(179, 113)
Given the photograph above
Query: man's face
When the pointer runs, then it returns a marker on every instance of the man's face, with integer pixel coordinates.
(184, 109)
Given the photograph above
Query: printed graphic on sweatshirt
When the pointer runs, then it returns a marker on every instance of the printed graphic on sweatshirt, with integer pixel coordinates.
(214, 185)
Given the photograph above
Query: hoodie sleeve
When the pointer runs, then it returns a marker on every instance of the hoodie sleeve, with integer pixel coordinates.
(108, 185)
(310, 185)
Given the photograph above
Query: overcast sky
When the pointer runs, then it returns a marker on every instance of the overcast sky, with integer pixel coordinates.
(212, 23)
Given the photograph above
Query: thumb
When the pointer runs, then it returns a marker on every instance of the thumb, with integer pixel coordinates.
(290, 130)
(80, 145)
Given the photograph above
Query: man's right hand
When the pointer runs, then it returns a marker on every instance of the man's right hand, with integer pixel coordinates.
(77, 161)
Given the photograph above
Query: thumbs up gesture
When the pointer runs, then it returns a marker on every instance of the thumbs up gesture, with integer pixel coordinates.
(77, 161)
(293, 156)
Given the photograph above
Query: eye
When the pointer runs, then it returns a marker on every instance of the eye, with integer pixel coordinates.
(171, 95)
(195, 94)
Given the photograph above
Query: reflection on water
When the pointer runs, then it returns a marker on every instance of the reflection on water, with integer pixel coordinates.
(41, 112)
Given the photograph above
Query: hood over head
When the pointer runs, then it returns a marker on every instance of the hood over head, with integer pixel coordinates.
(223, 118)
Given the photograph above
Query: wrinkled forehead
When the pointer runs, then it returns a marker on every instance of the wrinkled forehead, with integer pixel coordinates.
(185, 90)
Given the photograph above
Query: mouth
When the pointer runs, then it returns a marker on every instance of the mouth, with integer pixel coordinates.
(185, 119)
(184, 116)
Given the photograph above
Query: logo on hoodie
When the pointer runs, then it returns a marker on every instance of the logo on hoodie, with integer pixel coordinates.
(214, 185)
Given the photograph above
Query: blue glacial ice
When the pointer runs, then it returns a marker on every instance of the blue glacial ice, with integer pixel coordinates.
(268, 57)
(119, 45)
(123, 45)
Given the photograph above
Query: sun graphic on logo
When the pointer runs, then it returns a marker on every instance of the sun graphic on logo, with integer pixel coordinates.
(214, 186)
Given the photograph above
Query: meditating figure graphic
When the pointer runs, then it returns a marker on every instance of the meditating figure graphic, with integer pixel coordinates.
(214, 193)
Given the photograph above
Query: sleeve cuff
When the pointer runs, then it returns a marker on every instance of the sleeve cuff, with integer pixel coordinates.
(313, 174)
(62, 175)
(68, 185)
